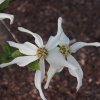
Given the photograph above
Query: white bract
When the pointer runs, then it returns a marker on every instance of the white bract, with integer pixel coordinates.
(1, 1)
(7, 16)
(66, 50)
(39, 52)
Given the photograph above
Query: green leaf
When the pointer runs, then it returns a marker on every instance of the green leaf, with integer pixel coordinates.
(6, 49)
(34, 65)
(4, 58)
(8, 53)
(16, 53)
(4, 4)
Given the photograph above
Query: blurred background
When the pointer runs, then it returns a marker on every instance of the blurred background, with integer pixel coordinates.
(81, 22)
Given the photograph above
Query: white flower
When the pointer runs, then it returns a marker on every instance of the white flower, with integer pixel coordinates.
(66, 50)
(1, 1)
(7, 16)
(41, 52)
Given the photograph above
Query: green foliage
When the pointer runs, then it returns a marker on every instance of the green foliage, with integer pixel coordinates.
(7, 50)
(4, 4)
(3, 58)
(34, 65)
(6, 54)
(16, 53)
(9, 53)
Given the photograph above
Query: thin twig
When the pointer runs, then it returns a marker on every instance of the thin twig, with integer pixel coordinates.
(9, 31)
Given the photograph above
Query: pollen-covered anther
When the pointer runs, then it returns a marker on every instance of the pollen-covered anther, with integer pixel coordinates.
(42, 53)
(64, 49)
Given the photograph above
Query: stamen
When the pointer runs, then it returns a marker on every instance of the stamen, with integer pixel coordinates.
(42, 53)
(64, 49)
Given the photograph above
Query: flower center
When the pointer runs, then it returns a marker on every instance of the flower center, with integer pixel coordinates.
(42, 53)
(64, 49)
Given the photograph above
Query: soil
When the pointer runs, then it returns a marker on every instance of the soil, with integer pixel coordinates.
(81, 22)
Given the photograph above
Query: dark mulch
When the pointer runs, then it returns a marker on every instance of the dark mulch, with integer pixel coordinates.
(81, 22)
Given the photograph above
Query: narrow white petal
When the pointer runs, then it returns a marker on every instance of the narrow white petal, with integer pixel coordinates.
(73, 61)
(59, 31)
(54, 40)
(63, 38)
(25, 48)
(21, 61)
(57, 59)
(38, 81)
(31, 46)
(59, 39)
(51, 72)
(7, 16)
(76, 46)
(42, 67)
(78, 73)
(1, 1)
(38, 39)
